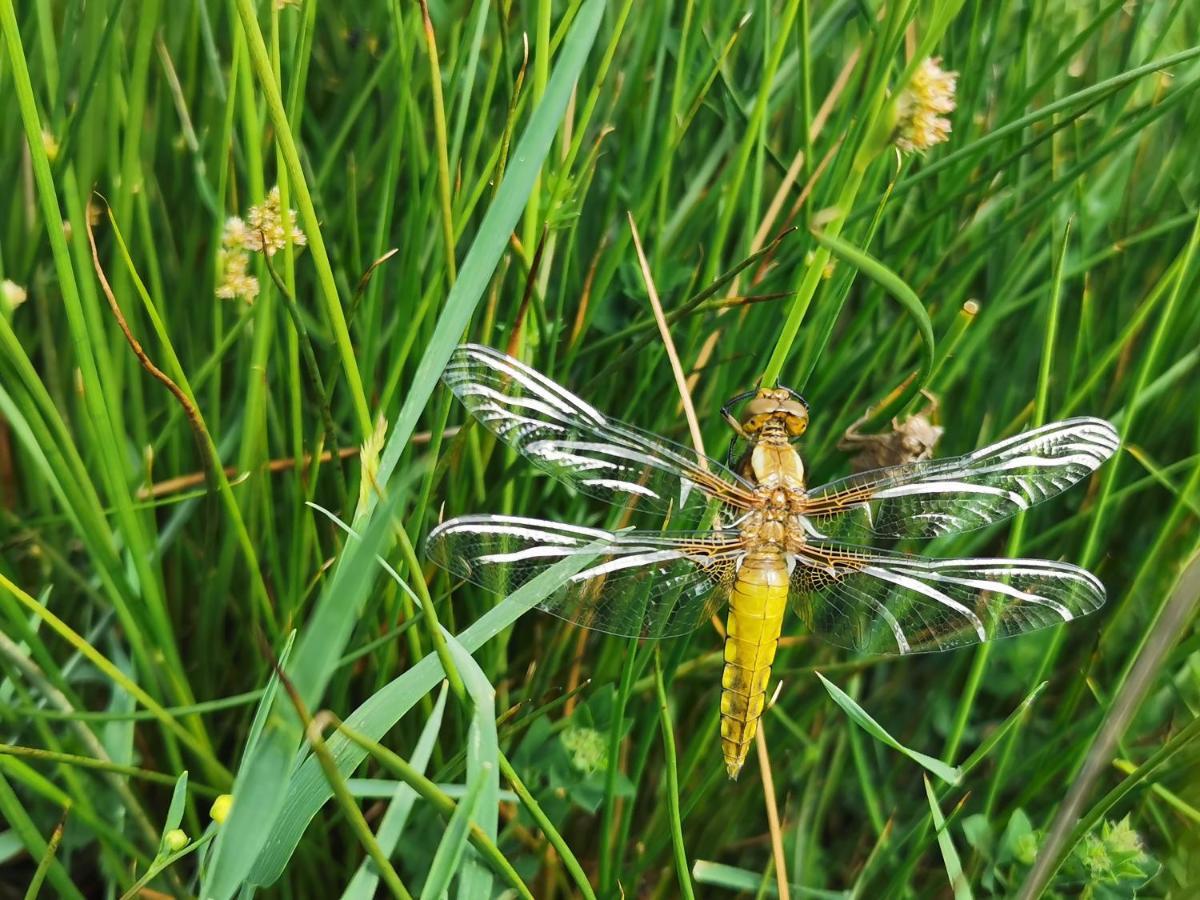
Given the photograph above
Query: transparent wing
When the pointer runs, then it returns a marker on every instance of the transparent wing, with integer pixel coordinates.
(574, 442)
(896, 603)
(643, 584)
(945, 496)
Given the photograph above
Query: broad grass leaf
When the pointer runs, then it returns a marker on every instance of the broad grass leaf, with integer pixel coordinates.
(483, 763)
(948, 774)
(958, 881)
(366, 879)
(308, 790)
(265, 764)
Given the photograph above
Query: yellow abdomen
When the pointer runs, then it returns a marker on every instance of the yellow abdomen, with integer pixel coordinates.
(756, 607)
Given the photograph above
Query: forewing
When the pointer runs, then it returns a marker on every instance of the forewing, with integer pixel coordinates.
(642, 584)
(896, 603)
(564, 436)
(946, 496)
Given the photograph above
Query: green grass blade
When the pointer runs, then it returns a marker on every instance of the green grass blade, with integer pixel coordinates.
(493, 235)
(256, 799)
(308, 790)
(954, 870)
(391, 826)
(949, 774)
(447, 858)
(483, 767)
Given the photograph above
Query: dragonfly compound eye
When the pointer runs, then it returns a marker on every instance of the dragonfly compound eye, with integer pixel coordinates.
(797, 423)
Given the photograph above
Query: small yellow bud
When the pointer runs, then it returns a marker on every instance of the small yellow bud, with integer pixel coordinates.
(220, 808)
(50, 145)
(175, 840)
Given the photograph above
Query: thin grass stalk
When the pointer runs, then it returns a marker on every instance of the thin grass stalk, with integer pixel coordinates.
(1016, 536)
(72, 637)
(682, 872)
(261, 63)
(441, 143)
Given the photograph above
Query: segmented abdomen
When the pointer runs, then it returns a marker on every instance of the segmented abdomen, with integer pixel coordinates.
(756, 607)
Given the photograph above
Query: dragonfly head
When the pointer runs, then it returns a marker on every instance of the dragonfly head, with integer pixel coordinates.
(780, 407)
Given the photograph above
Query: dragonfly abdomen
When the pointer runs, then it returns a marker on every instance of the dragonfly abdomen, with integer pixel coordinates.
(756, 606)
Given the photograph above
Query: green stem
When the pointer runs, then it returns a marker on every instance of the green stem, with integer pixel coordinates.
(664, 717)
(609, 863)
(430, 616)
(440, 801)
(812, 278)
(441, 141)
(261, 61)
(548, 829)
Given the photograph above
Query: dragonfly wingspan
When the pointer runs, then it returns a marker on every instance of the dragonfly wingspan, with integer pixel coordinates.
(882, 602)
(571, 440)
(947, 496)
(642, 584)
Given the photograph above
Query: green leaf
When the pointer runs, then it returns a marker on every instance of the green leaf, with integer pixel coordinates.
(998, 734)
(495, 229)
(958, 881)
(308, 790)
(14, 813)
(174, 811)
(483, 764)
(735, 879)
(256, 794)
(362, 886)
(454, 842)
(948, 774)
(906, 297)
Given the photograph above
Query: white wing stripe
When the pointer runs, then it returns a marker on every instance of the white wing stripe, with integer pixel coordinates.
(508, 367)
(532, 379)
(627, 562)
(529, 553)
(549, 386)
(901, 641)
(1094, 431)
(537, 529)
(921, 588)
(998, 568)
(546, 536)
(499, 401)
(950, 487)
(617, 484)
(609, 449)
(1008, 590)
(1088, 461)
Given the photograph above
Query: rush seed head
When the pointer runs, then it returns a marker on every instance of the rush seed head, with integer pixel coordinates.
(922, 106)
(268, 226)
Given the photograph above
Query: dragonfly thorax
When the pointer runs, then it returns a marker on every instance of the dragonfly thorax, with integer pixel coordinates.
(775, 466)
(777, 520)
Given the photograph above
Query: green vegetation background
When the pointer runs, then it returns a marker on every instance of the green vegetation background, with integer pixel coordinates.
(138, 627)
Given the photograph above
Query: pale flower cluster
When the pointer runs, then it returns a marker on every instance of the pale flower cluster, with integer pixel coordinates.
(266, 229)
(922, 107)
(268, 226)
(234, 259)
(12, 295)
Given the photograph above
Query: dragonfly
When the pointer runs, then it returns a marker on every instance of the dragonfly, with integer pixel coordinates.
(765, 541)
